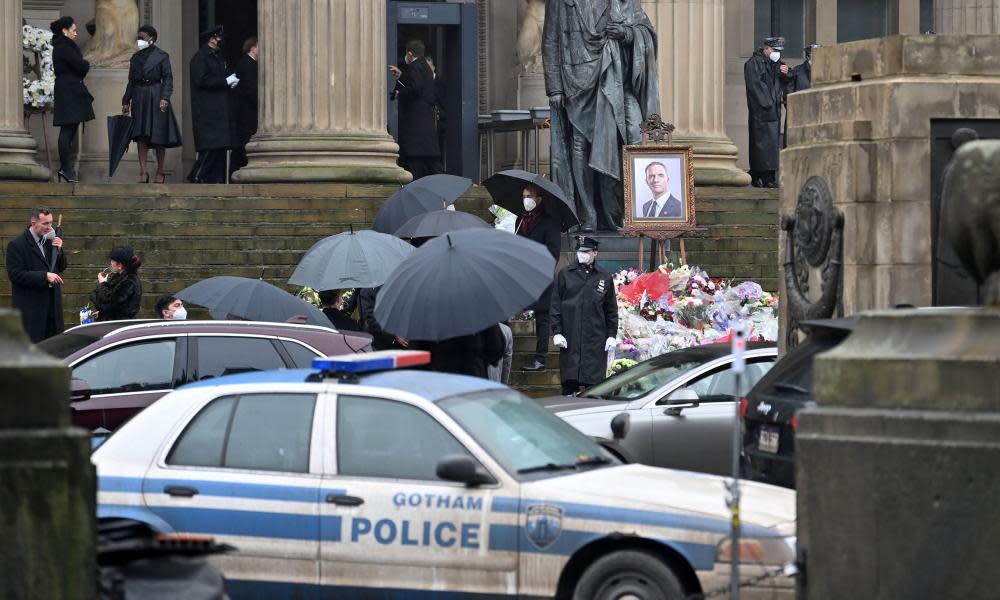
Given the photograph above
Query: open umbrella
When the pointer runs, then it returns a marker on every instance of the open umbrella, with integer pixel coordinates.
(251, 299)
(461, 283)
(505, 187)
(119, 137)
(360, 259)
(439, 222)
(429, 193)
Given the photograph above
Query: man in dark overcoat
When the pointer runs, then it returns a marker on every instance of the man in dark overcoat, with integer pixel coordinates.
(765, 78)
(584, 319)
(245, 103)
(210, 110)
(35, 284)
(419, 152)
(539, 224)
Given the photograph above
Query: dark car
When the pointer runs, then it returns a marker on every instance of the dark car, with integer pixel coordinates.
(768, 411)
(120, 367)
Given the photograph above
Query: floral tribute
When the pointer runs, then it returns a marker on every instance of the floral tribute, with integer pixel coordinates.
(38, 91)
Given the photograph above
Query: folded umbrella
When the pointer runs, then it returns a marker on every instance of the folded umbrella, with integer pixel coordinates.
(439, 222)
(360, 259)
(461, 283)
(119, 137)
(251, 299)
(433, 192)
(505, 187)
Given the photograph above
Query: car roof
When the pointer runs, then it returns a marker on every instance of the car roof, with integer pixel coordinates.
(429, 385)
(124, 328)
(707, 352)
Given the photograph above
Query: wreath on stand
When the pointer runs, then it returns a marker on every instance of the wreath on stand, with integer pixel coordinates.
(38, 82)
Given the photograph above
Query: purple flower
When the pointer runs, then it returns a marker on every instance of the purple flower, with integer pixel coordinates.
(749, 291)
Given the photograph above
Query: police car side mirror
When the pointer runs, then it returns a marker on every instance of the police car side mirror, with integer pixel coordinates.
(463, 469)
(79, 390)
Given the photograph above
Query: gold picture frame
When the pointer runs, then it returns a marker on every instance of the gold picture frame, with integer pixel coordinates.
(645, 167)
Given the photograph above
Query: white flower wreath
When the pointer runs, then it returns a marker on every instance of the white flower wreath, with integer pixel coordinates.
(39, 93)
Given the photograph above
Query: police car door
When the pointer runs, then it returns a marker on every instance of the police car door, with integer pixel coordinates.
(388, 521)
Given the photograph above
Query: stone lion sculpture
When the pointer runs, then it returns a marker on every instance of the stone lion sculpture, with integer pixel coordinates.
(115, 25)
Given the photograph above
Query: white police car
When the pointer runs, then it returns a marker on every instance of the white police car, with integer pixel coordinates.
(412, 484)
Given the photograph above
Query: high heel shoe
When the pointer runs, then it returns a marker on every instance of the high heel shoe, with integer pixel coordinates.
(143, 180)
(160, 178)
(62, 176)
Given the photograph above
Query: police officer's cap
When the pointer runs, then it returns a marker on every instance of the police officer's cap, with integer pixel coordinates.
(586, 243)
(778, 43)
(211, 33)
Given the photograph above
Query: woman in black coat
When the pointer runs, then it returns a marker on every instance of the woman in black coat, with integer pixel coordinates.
(147, 99)
(119, 292)
(537, 224)
(73, 102)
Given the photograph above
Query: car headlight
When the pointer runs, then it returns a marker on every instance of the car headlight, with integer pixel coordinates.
(771, 551)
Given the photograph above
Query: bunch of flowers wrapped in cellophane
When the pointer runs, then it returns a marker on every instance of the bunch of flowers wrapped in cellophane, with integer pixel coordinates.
(678, 307)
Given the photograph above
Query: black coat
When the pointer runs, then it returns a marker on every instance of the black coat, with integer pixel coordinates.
(366, 304)
(73, 102)
(765, 85)
(547, 230)
(210, 101)
(117, 298)
(466, 355)
(245, 100)
(150, 79)
(799, 78)
(40, 305)
(585, 312)
(415, 92)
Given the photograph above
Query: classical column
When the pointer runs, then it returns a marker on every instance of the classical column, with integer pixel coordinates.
(966, 16)
(17, 148)
(691, 63)
(322, 94)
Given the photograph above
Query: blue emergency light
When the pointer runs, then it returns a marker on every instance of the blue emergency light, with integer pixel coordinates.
(367, 362)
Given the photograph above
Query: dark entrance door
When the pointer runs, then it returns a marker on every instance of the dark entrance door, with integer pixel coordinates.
(449, 32)
(237, 17)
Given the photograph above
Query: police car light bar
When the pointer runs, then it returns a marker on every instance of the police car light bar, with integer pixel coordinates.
(367, 362)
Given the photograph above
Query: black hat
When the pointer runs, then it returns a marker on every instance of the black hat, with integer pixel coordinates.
(808, 50)
(586, 243)
(122, 254)
(211, 33)
(778, 43)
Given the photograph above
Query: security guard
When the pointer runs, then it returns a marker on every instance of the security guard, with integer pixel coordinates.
(584, 319)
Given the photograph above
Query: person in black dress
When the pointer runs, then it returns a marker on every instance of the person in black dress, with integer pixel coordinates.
(538, 224)
(147, 99)
(119, 292)
(73, 102)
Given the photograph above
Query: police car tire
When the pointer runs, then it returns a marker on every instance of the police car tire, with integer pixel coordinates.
(628, 571)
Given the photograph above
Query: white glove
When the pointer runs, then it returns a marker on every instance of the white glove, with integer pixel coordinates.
(232, 80)
(610, 343)
(560, 341)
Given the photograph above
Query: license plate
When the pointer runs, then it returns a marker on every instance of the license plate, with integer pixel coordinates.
(767, 440)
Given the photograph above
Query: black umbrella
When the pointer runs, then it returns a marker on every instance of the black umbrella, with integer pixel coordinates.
(423, 195)
(439, 222)
(251, 299)
(461, 283)
(350, 260)
(505, 187)
(119, 137)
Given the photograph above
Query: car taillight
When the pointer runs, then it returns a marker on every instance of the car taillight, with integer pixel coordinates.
(795, 421)
(743, 408)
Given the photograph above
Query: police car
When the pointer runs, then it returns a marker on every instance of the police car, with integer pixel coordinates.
(358, 480)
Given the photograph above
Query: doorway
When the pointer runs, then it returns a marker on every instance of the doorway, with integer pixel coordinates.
(239, 22)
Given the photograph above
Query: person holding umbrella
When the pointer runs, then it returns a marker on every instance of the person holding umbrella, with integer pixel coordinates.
(538, 224)
(147, 100)
(584, 319)
(73, 102)
(118, 290)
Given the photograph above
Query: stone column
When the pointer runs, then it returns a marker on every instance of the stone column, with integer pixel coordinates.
(966, 16)
(691, 63)
(17, 147)
(322, 94)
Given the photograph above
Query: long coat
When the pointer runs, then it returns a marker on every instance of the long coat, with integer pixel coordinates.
(245, 100)
(150, 79)
(118, 298)
(799, 78)
(73, 102)
(210, 101)
(465, 355)
(416, 96)
(547, 230)
(585, 312)
(764, 84)
(40, 305)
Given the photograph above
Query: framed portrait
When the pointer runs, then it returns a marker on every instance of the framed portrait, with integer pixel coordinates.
(659, 187)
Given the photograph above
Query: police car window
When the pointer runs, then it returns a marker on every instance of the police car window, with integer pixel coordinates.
(302, 357)
(139, 367)
(384, 438)
(219, 356)
(202, 442)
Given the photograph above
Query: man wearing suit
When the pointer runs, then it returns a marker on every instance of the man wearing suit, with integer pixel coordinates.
(662, 205)
(244, 103)
(35, 284)
(419, 152)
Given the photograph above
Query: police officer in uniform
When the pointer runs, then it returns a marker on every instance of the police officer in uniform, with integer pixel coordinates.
(584, 319)
(765, 77)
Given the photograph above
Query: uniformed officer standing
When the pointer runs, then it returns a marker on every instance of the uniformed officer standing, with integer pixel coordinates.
(584, 319)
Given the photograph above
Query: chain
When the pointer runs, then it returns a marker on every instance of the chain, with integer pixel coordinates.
(724, 590)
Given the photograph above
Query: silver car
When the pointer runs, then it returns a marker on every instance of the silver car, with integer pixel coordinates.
(680, 407)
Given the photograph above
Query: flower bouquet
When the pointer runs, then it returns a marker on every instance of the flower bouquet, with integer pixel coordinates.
(38, 91)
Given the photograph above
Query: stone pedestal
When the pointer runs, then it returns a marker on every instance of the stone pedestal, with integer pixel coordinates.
(322, 94)
(531, 94)
(962, 16)
(17, 147)
(898, 465)
(691, 63)
(48, 494)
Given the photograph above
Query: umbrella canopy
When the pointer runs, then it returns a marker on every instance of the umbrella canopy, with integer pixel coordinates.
(251, 299)
(433, 192)
(119, 137)
(461, 283)
(360, 259)
(505, 187)
(439, 222)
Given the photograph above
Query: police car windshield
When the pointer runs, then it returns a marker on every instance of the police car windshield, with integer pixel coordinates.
(527, 440)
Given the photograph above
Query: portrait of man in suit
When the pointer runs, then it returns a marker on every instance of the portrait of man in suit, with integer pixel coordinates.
(659, 203)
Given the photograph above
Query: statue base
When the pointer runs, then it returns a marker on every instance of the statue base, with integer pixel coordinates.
(17, 158)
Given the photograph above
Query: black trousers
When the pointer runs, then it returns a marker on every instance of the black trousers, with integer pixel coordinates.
(421, 166)
(572, 386)
(67, 133)
(541, 335)
(763, 177)
(210, 167)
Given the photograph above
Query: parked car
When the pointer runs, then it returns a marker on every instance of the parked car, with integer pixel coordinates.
(768, 411)
(681, 407)
(352, 481)
(120, 367)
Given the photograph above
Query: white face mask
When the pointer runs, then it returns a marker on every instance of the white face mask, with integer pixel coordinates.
(143, 44)
(775, 56)
(180, 314)
(583, 257)
(529, 203)
(49, 236)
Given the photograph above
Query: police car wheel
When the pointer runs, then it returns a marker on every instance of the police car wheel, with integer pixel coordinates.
(628, 575)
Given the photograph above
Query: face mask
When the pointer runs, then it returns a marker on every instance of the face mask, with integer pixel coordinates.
(143, 44)
(529, 203)
(180, 314)
(582, 257)
(775, 56)
(50, 235)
